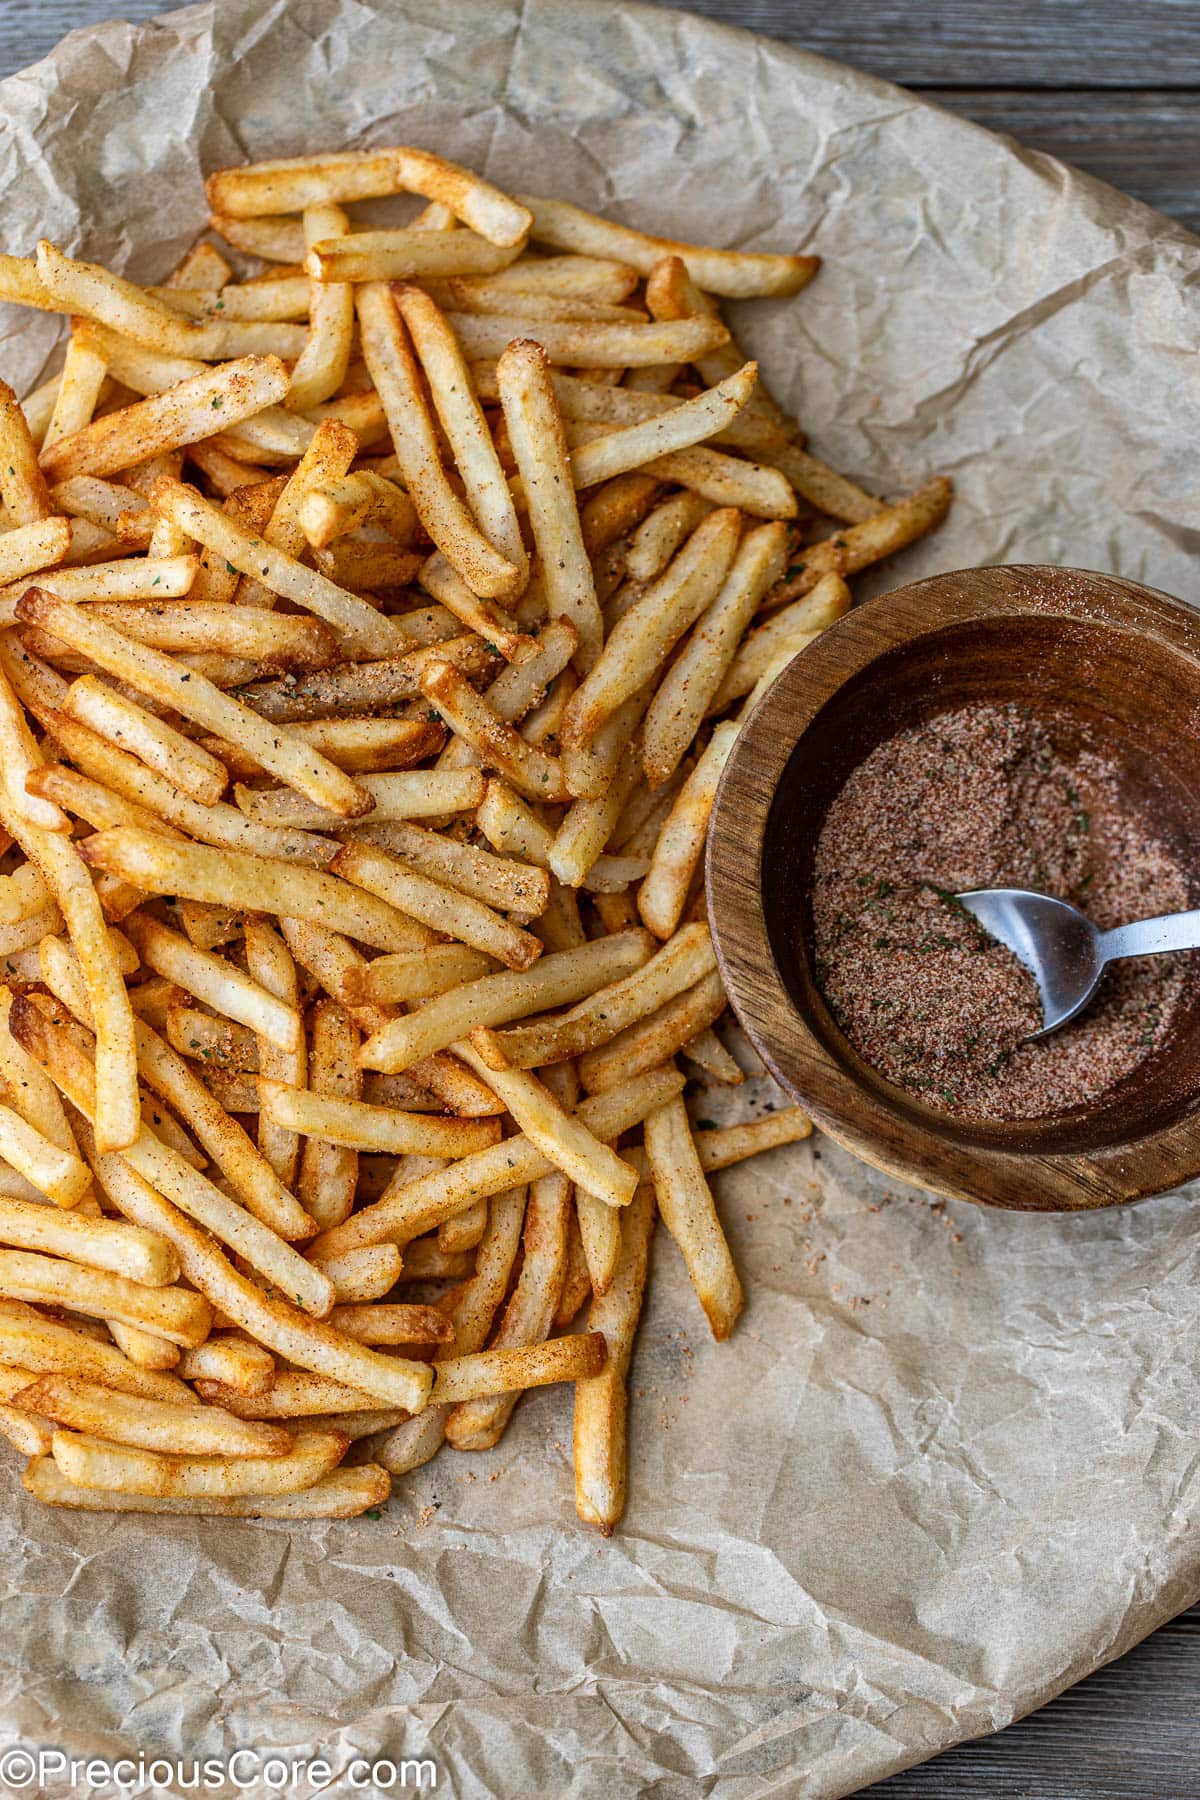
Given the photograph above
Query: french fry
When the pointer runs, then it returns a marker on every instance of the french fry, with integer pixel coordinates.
(114, 716)
(661, 533)
(692, 422)
(82, 382)
(596, 278)
(329, 1169)
(270, 963)
(501, 1371)
(539, 446)
(652, 1040)
(494, 880)
(463, 423)
(405, 254)
(640, 643)
(233, 1360)
(406, 794)
(170, 1312)
(396, 376)
(291, 185)
(27, 548)
(601, 1401)
(783, 636)
(441, 579)
(493, 739)
(587, 341)
(22, 482)
(821, 486)
(560, 1135)
(395, 1324)
(556, 980)
(686, 1204)
(182, 413)
(327, 458)
(361, 1276)
(166, 681)
(321, 366)
(725, 480)
(360, 628)
(271, 297)
(269, 640)
(218, 983)
(587, 825)
(275, 239)
(856, 547)
(602, 1014)
(38, 1345)
(678, 708)
(362, 1126)
(420, 1205)
(663, 895)
(737, 274)
(94, 1462)
(160, 1425)
(709, 1054)
(359, 687)
(438, 907)
(354, 745)
(529, 1314)
(342, 1494)
(278, 1326)
(99, 1243)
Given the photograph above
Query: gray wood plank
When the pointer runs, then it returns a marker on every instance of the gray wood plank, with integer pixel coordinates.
(944, 43)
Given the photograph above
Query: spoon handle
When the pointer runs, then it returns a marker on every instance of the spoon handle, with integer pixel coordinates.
(1151, 937)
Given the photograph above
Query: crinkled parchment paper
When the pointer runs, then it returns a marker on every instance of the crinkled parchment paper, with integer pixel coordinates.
(948, 1462)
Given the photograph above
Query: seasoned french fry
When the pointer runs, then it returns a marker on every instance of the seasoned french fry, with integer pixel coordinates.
(329, 1169)
(397, 379)
(556, 980)
(588, 341)
(501, 1371)
(686, 1204)
(270, 963)
(420, 1205)
(783, 636)
(494, 741)
(539, 446)
(663, 895)
(94, 1462)
(99, 1243)
(436, 906)
(36, 1344)
(363, 1275)
(342, 1494)
(604, 1012)
(642, 640)
(218, 983)
(601, 1401)
(27, 548)
(856, 547)
(161, 1425)
(182, 413)
(654, 1039)
(170, 1312)
(364, 1127)
(233, 1360)
(321, 365)
(407, 794)
(22, 482)
(511, 886)
(112, 715)
(738, 274)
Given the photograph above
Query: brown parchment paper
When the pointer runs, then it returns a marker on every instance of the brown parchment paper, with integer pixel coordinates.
(947, 1464)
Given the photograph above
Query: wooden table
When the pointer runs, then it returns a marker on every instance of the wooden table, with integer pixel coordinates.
(1113, 86)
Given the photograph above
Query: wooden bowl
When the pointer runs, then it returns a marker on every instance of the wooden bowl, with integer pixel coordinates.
(1113, 655)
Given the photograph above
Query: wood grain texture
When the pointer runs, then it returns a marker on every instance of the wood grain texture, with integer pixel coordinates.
(1113, 86)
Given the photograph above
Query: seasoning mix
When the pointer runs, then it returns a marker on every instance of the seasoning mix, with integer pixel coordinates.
(988, 795)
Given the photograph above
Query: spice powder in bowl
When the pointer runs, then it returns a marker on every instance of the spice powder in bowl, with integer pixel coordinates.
(987, 795)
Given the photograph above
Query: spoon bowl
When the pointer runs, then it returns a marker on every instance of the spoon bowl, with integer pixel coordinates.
(1057, 943)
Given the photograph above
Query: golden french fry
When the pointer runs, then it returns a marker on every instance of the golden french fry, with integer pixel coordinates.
(495, 880)
(556, 980)
(783, 636)
(856, 547)
(406, 794)
(272, 297)
(737, 274)
(609, 1009)
(601, 1401)
(342, 1494)
(709, 1054)
(99, 1243)
(94, 1462)
(587, 341)
(692, 422)
(116, 717)
(418, 1206)
(362, 1126)
(181, 413)
(321, 366)
(501, 1371)
(161, 1425)
(218, 983)
(233, 1360)
(267, 640)
(686, 1204)
(463, 422)
(678, 708)
(361, 1276)
(292, 184)
(493, 739)
(664, 893)
(640, 643)
(27, 548)
(22, 483)
(38, 1345)
(560, 1135)
(170, 1312)
(395, 1324)
(361, 687)
(270, 963)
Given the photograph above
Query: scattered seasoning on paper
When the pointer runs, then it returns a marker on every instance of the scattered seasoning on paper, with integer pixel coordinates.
(986, 796)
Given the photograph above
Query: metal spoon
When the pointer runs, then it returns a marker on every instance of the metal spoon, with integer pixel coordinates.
(1063, 950)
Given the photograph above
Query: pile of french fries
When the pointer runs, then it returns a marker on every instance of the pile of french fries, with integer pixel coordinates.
(373, 631)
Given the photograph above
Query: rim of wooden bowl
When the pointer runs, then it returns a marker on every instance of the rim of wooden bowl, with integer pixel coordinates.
(875, 1121)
